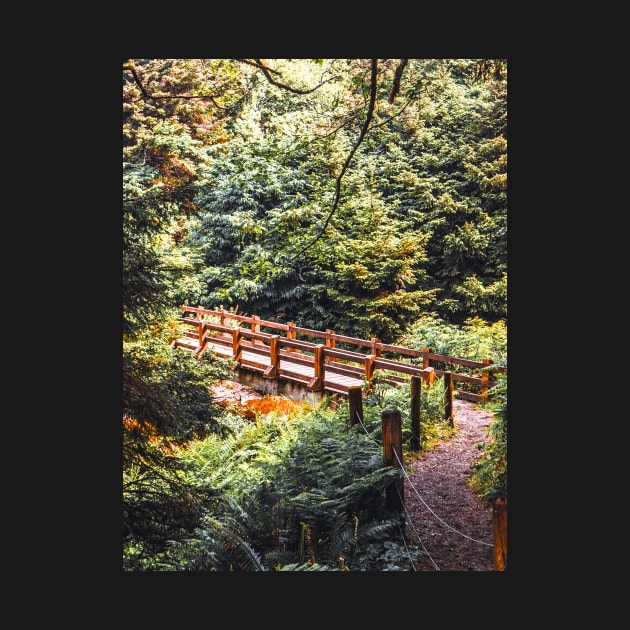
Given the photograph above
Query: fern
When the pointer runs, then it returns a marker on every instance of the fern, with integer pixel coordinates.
(304, 566)
(248, 559)
(344, 542)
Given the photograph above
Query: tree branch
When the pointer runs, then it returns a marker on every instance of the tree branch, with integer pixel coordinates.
(129, 66)
(364, 129)
(267, 72)
(259, 64)
(396, 83)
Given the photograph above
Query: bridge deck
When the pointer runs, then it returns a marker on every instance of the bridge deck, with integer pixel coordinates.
(289, 370)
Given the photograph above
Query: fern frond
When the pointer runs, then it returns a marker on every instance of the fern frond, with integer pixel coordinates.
(343, 545)
(246, 556)
(305, 566)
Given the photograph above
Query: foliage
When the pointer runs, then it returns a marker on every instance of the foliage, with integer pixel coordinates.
(165, 393)
(168, 389)
(384, 395)
(157, 505)
(286, 493)
(165, 402)
(489, 477)
(421, 223)
(475, 339)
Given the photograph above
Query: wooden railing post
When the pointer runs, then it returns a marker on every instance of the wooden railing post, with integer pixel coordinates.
(485, 376)
(426, 362)
(368, 369)
(255, 326)
(201, 329)
(237, 350)
(222, 317)
(375, 351)
(448, 398)
(331, 343)
(203, 339)
(274, 358)
(317, 382)
(416, 398)
(291, 334)
(499, 519)
(392, 452)
(355, 400)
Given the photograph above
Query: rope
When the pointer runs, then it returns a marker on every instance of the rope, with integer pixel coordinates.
(481, 542)
(409, 521)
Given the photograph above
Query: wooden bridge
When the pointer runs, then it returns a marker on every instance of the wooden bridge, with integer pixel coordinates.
(257, 348)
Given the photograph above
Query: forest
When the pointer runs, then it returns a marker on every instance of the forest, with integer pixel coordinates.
(368, 196)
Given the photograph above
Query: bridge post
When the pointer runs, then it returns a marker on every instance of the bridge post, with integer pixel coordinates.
(237, 350)
(291, 334)
(331, 343)
(485, 376)
(426, 362)
(274, 358)
(368, 369)
(203, 339)
(255, 326)
(375, 351)
(416, 398)
(317, 382)
(355, 400)
(392, 452)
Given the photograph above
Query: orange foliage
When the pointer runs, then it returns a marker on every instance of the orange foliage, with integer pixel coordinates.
(267, 404)
(131, 424)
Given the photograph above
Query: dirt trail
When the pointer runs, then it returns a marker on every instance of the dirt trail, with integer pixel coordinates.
(453, 524)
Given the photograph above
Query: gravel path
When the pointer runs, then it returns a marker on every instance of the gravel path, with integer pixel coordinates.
(444, 514)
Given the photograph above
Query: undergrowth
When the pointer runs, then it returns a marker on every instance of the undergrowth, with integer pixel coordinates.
(296, 491)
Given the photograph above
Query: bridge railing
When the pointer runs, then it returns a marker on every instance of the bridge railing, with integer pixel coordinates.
(228, 330)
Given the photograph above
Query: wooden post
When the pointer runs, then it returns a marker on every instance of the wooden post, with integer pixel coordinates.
(355, 399)
(222, 317)
(375, 351)
(416, 393)
(291, 334)
(237, 351)
(274, 358)
(368, 369)
(499, 518)
(448, 398)
(203, 338)
(485, 376)
(392, 452)
(331, 343)
(426, 362)
(255, 326)
(317, 382)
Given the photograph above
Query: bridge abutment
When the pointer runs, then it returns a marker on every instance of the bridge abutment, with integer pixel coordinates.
(290, 389)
